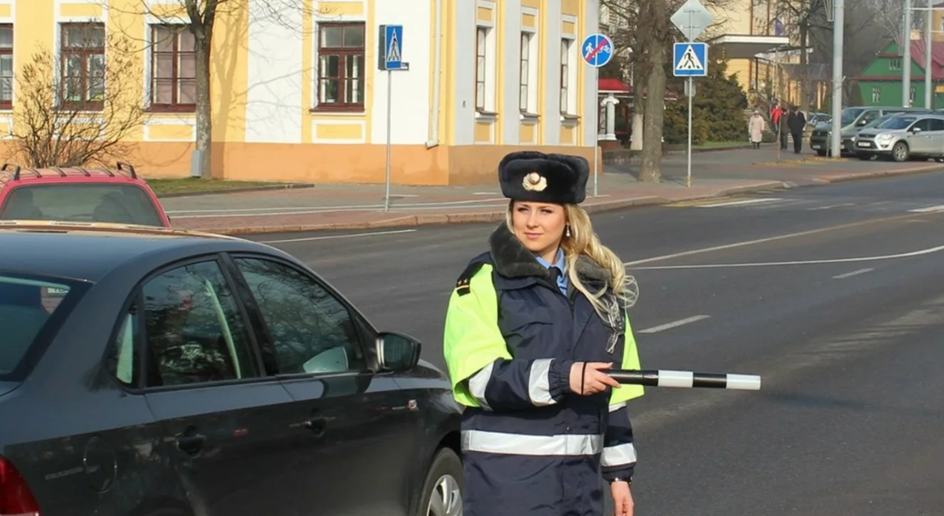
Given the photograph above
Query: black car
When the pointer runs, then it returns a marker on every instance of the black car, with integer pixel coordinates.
(154, 372)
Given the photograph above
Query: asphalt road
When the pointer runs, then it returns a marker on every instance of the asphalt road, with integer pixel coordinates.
(834, 295)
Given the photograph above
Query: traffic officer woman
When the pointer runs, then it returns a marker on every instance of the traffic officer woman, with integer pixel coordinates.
(531, 329)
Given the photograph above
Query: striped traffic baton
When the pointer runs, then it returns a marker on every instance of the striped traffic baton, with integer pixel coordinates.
(686, 379)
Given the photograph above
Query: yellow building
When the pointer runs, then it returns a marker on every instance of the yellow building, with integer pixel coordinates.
(299, 97)
(746, 35)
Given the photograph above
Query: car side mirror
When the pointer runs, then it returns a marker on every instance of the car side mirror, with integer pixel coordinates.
(916, 130)
(860, 123)
(397, 352)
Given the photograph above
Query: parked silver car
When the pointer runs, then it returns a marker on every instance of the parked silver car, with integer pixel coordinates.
(903, 137)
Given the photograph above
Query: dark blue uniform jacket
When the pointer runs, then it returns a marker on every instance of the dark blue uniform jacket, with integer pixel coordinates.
(532, 447)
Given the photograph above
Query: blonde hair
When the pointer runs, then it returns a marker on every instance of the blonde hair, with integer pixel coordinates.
(583, 241)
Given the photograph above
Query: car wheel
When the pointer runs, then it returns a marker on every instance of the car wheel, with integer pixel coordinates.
(821, 152)
(900, 152)
(442, 491)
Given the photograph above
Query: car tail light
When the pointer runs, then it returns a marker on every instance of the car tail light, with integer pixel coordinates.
(16, 499)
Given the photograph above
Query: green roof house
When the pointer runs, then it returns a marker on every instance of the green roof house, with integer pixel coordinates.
(880, 82)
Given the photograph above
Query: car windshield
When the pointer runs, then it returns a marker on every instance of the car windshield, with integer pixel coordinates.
(104, 202)
(26, 306)
(878, 121)
(897, 122)
(850, 114)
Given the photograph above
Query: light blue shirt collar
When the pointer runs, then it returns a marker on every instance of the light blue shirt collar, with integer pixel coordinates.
(560, 264)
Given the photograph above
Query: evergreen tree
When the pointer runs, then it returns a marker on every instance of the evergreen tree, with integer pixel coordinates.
(717, 109)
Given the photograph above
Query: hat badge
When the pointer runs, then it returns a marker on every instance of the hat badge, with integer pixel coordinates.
(534, 182)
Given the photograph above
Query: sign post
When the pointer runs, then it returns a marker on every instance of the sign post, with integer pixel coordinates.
(390, 58)
(597, 50)
(691, 58)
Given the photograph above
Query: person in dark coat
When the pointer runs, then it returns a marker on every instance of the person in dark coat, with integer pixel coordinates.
(796, 123)
(531, 330)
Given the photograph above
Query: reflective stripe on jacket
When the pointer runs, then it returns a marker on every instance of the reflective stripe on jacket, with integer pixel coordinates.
(530, 446)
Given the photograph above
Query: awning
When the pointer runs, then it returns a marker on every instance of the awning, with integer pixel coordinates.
(734, 46)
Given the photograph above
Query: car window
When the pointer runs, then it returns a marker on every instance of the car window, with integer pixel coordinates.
(103, 202)
(194, 332)
(867, 117)
(312, 331)
(936, 125)
(26, 305)
(924, 124)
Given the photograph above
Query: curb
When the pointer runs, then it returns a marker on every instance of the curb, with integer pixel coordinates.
(879, 173)
(440, 219)
(288, 186)
(637, 202)
(711, 149)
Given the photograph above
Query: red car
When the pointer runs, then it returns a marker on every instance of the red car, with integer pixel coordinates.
(79, 195)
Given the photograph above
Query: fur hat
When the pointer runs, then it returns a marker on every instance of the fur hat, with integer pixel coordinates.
(539, 177)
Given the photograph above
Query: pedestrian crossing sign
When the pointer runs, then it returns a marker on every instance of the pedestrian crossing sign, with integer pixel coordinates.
(390, 53)
(691, 59)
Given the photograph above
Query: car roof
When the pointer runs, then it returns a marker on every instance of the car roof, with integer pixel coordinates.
(11, 173)
(90, 251)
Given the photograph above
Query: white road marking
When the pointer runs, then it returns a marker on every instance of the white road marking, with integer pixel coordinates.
(831, 206)
(674, 324)
(331, 237)
(853, 273)
(739, 203)
(763, 240)
(929, 209)
(921, 252)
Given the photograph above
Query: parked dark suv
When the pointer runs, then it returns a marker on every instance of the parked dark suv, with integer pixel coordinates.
(154, 372)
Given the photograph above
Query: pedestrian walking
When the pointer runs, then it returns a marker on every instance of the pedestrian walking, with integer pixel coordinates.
(755, 129)
(796, 122)
(532, 327)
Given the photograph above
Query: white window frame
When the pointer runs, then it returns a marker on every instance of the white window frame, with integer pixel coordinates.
(528, 80)
(490, 51)
(572, 78)
(876, 94)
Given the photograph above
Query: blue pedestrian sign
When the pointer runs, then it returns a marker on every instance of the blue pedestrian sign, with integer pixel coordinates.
(691, 59)
(597, 50)
(391, 48)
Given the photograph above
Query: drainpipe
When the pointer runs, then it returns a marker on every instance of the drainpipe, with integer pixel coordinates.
(437, 70)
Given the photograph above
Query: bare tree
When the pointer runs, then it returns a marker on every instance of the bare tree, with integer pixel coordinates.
(200, 18)
(867, 29)
(649, 35)
(76, 120)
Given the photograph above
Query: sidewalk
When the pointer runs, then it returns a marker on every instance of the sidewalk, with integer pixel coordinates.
(350, 206)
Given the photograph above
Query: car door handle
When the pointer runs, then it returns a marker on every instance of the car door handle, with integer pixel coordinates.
(317, 423)
(191, 444)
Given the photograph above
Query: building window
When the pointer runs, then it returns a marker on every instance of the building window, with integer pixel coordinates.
(83, 64)
(876, 94)
(6, 66)
(526, 94)
(525, 72)
(341, 66)
(480, 67)
(911, 95)
(173, 68)
(894, 64)
(565, 75)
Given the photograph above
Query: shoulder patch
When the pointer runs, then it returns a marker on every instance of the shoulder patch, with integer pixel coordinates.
(463, 285)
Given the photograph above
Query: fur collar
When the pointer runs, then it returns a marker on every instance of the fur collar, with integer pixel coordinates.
(513, 260)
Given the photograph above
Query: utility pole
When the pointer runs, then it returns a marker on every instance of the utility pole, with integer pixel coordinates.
(906, 57)
(928, 87)
(838, 23)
